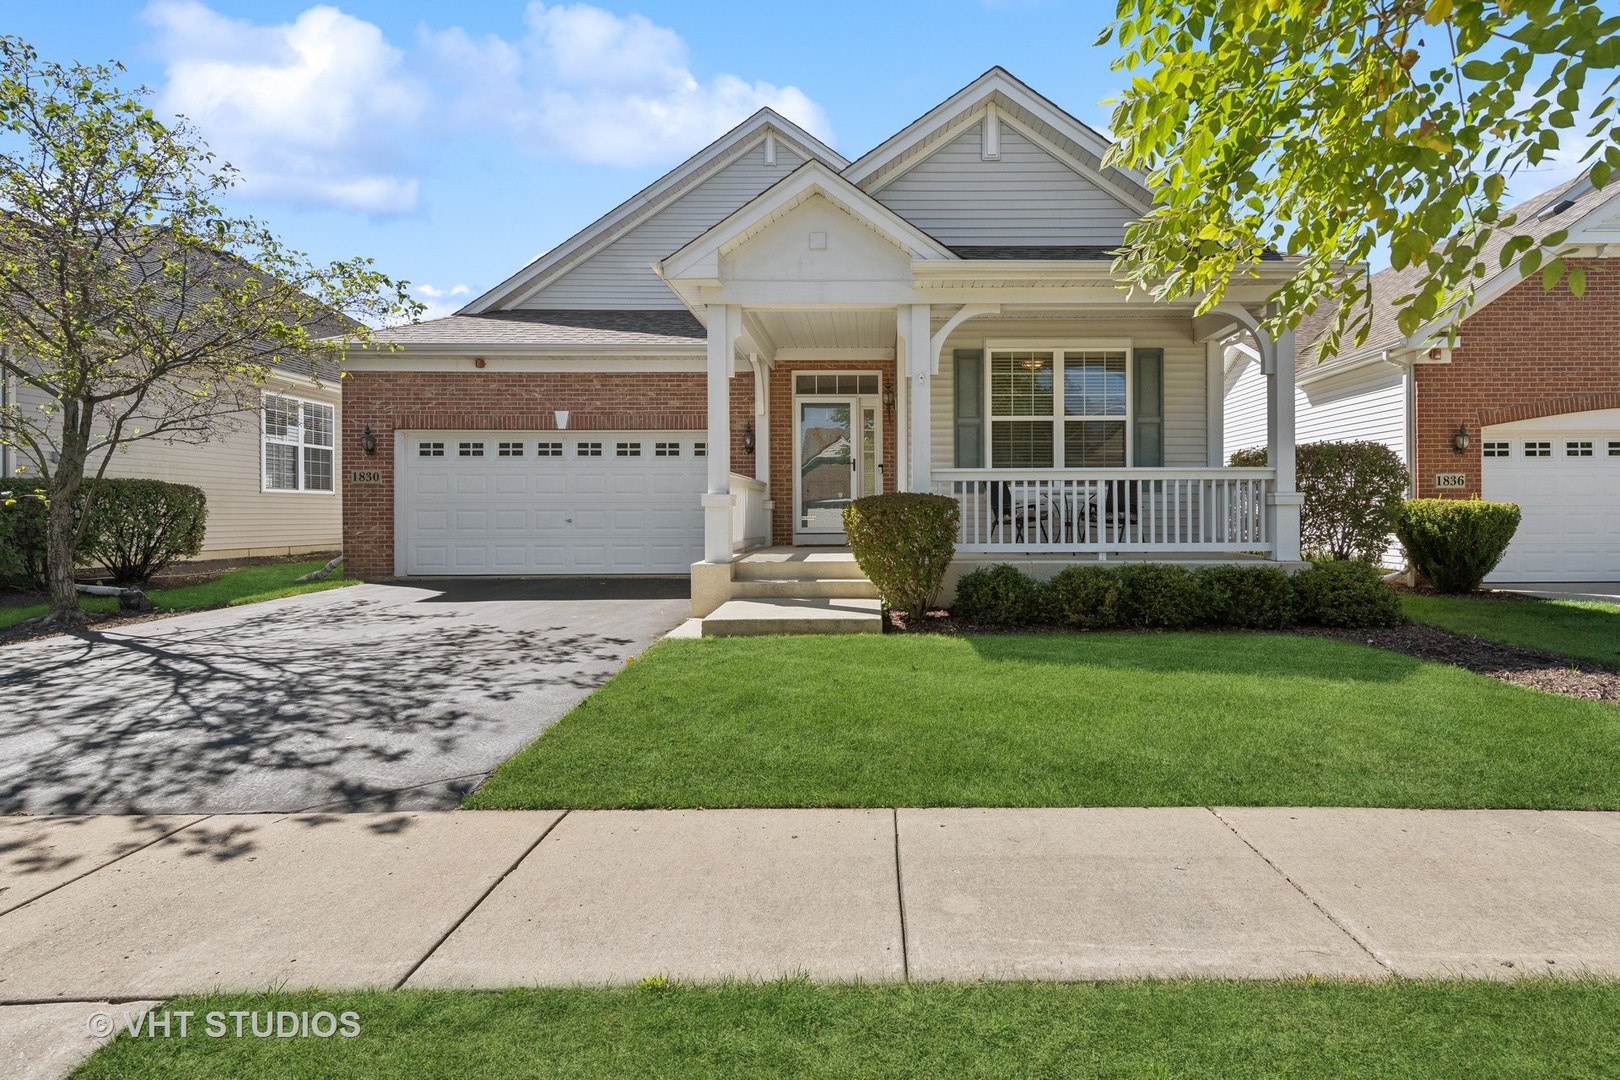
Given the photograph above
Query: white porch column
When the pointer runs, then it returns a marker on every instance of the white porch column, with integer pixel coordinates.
(724, 325)
(762, 420)
(916, 358)
(1282, 510)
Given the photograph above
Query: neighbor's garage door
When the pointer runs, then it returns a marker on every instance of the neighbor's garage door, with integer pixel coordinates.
(598, 502)
(1564, 472)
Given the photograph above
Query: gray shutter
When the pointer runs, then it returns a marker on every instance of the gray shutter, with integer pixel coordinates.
(1148, 408)
(969, 390)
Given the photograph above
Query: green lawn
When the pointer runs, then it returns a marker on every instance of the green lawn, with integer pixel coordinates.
(1296, 1029)
(246, 586)
(1061, 720)
(1586, 630)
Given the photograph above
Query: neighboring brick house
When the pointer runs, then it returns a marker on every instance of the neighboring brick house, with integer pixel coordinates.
(1533, 381)
(770, 331)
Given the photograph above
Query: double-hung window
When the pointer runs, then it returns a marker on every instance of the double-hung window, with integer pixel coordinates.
(298, 444)
(1058, 408)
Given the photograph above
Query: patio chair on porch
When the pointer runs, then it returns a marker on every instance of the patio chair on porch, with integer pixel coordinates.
(1119, 505)
(1008, 508)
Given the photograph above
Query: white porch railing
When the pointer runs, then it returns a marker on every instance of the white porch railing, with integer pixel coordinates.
(1110, 510)
(750, 520)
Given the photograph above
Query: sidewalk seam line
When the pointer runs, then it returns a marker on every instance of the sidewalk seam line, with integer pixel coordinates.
(1332, 918)
(476, 904)
(900, 897)
(103, 866)
(105, 999)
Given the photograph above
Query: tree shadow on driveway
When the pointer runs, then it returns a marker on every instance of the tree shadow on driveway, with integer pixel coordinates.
(349, 704)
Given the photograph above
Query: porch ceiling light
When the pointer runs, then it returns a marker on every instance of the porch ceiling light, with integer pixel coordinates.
(748, 438)
(368, 441)
(1459, 441)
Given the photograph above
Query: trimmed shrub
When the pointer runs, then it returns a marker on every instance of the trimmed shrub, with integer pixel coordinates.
(1156, 596)
(1345, 592)
(1000, 595)
(137, 527)
(1086, 597)
(1456, 542)
(1246, 597)
(1353, 493)
(22, 532)
(903, 542)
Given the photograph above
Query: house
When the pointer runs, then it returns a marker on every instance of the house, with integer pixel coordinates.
(271, 482)
(726, 359)
(1523, 406)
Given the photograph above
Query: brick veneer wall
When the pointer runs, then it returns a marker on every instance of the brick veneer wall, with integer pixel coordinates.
(1527, 354)
(783, 433)
(501, 401)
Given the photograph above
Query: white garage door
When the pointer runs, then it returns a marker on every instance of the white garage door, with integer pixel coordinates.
(1564, 472)
(595, 502)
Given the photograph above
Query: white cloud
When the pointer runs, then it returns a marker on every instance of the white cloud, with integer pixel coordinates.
(587, 84)
(440, 302)
(310, 111)
(323, 110)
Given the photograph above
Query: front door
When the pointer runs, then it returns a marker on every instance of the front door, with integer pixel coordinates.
(837, 458)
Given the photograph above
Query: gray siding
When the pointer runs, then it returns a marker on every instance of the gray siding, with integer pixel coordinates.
(1185, 375)
(1026, 197)
(619, 276)
(1336, 410)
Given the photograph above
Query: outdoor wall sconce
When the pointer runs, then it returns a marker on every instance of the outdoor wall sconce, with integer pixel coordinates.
(1459, 441)
(368, 441)
(748, 438)
(888, 397)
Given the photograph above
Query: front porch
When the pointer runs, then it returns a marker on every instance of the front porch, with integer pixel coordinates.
(1071, 416)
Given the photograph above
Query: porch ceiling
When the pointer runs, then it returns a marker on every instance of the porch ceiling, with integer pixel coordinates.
(847, 329)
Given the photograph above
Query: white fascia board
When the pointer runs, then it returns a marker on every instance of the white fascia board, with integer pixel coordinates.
(630, 213)
(473, 348)
(699, 258)
(575, 362)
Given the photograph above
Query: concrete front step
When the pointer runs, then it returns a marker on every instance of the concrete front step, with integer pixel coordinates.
(805, 588)
(797, 564)
(756, 617)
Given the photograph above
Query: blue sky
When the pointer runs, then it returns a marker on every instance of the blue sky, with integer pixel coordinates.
(453, 143)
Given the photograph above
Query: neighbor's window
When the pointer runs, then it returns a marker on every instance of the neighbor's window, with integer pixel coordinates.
(298, 444)
(1034, 426)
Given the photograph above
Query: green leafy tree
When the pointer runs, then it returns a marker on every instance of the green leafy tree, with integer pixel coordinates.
(131, 303)
(1328, 127)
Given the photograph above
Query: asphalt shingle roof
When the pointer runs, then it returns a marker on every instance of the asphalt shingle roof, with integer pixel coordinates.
(1390, 283)
(627, 328)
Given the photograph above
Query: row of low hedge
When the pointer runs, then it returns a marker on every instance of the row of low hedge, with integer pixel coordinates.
(1162, 596)
(135, 528)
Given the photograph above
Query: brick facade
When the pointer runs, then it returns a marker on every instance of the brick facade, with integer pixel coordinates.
(783, 434)
(1527, 354)
(503, 401)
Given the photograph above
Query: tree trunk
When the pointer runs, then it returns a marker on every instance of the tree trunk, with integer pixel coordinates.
(62, 523)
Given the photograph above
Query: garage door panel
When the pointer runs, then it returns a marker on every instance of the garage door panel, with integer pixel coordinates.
(1570, 527)
(533, 513)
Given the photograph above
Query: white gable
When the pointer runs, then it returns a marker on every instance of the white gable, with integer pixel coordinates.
(816, 240)
(621, 275)
(1026, 196)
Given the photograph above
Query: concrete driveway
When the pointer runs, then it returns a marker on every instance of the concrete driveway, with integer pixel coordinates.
(373, 697)
(1607, 591)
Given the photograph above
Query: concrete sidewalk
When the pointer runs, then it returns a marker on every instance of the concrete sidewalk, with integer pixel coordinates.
(125, 909)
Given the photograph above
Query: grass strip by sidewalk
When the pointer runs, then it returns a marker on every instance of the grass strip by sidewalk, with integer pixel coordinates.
(1061, 720)
(246, 586)
(1298, 1029)
(1582, 629)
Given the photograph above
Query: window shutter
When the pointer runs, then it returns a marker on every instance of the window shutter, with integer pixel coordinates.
(969, 390)
(1148, 408)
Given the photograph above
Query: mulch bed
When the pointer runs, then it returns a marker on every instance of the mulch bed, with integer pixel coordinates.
(1510, 663)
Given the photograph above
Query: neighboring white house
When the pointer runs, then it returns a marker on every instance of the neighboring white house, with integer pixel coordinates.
(1532, 383)
(771, 330)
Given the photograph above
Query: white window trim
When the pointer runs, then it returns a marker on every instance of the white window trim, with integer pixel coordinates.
(266, 440)
(1058, 351)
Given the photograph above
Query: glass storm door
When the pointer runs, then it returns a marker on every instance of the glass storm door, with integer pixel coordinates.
(837, 460)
